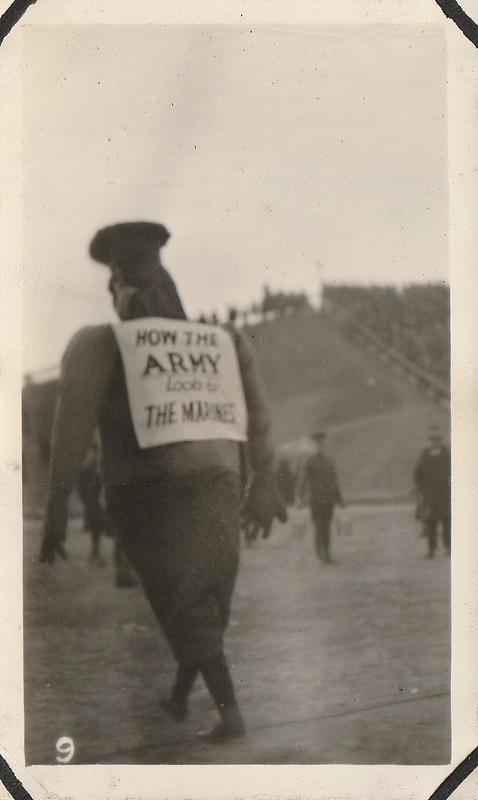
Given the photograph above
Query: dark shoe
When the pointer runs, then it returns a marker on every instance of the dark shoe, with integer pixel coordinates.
(125, 578)
(96, 560)
(125, 582)
(230, 727)
(175, 709)
(221, 733)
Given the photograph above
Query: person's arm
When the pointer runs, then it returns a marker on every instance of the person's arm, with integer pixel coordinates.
(417, 490)
(418, 474)
(85, 371)
(304, 483)
(338, 492)
(263, 501)
(261, 452)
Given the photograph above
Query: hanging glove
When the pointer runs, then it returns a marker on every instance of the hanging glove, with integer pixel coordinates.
(50, 547)
(54, 531)
(263, 503)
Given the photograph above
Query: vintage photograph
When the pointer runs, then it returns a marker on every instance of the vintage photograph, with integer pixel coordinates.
(237, 536)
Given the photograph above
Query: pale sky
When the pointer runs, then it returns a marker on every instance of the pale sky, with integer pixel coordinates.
(264, 150)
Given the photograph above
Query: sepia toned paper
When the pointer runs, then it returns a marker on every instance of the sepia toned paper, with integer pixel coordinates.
(283, 146)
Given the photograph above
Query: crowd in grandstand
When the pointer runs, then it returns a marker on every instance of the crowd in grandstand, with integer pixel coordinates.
(273, 303)
(414, 320)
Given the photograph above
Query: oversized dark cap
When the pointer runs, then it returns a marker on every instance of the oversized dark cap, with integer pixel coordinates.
(128, 244)
(127, 239)
(132, 249)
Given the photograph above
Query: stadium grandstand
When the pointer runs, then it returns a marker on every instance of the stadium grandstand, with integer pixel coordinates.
(415, 320)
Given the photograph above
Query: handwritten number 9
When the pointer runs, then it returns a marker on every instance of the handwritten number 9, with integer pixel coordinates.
(65, 749)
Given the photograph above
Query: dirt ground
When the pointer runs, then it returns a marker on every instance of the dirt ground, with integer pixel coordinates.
(347, 663)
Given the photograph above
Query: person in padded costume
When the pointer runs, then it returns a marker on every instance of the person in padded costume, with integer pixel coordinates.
(177, 506)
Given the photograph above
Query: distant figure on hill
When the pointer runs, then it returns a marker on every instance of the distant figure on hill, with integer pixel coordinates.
(432, 479)
(286, 480)
(322, 486)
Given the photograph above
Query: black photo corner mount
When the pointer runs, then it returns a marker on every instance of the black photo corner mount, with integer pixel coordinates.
(466, 24)
(11, 782)
(469, 28)
(12, 15)
(455, 778)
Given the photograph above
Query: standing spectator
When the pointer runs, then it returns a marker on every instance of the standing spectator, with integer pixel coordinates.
(285, 480)
(89, 489)
(432, 478)
(320, 478)
(96, 520)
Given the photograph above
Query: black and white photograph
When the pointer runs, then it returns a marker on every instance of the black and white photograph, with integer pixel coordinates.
(237, 408)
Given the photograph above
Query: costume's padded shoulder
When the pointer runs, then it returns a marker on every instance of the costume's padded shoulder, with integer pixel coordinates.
(92, 342)
(241, 342)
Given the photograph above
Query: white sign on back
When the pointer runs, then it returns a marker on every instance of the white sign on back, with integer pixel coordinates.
(183, 381)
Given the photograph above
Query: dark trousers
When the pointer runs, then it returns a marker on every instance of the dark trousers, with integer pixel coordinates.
(183, 541)
(431, 532)
(94, 516)
(322, 517)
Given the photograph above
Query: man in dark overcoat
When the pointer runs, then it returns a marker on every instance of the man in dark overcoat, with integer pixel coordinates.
(432, 477)
(322, 487)
(286, 481)
(172, 473)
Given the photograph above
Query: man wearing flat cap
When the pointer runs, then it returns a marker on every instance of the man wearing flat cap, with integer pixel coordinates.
(175, 402)
(321, 481)
(432, 479)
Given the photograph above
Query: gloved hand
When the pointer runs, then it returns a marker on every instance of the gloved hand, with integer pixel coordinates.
(50, 547)
(263, 503)
(54, 530)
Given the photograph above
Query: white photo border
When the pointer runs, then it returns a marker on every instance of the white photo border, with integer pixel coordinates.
(208, 782)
